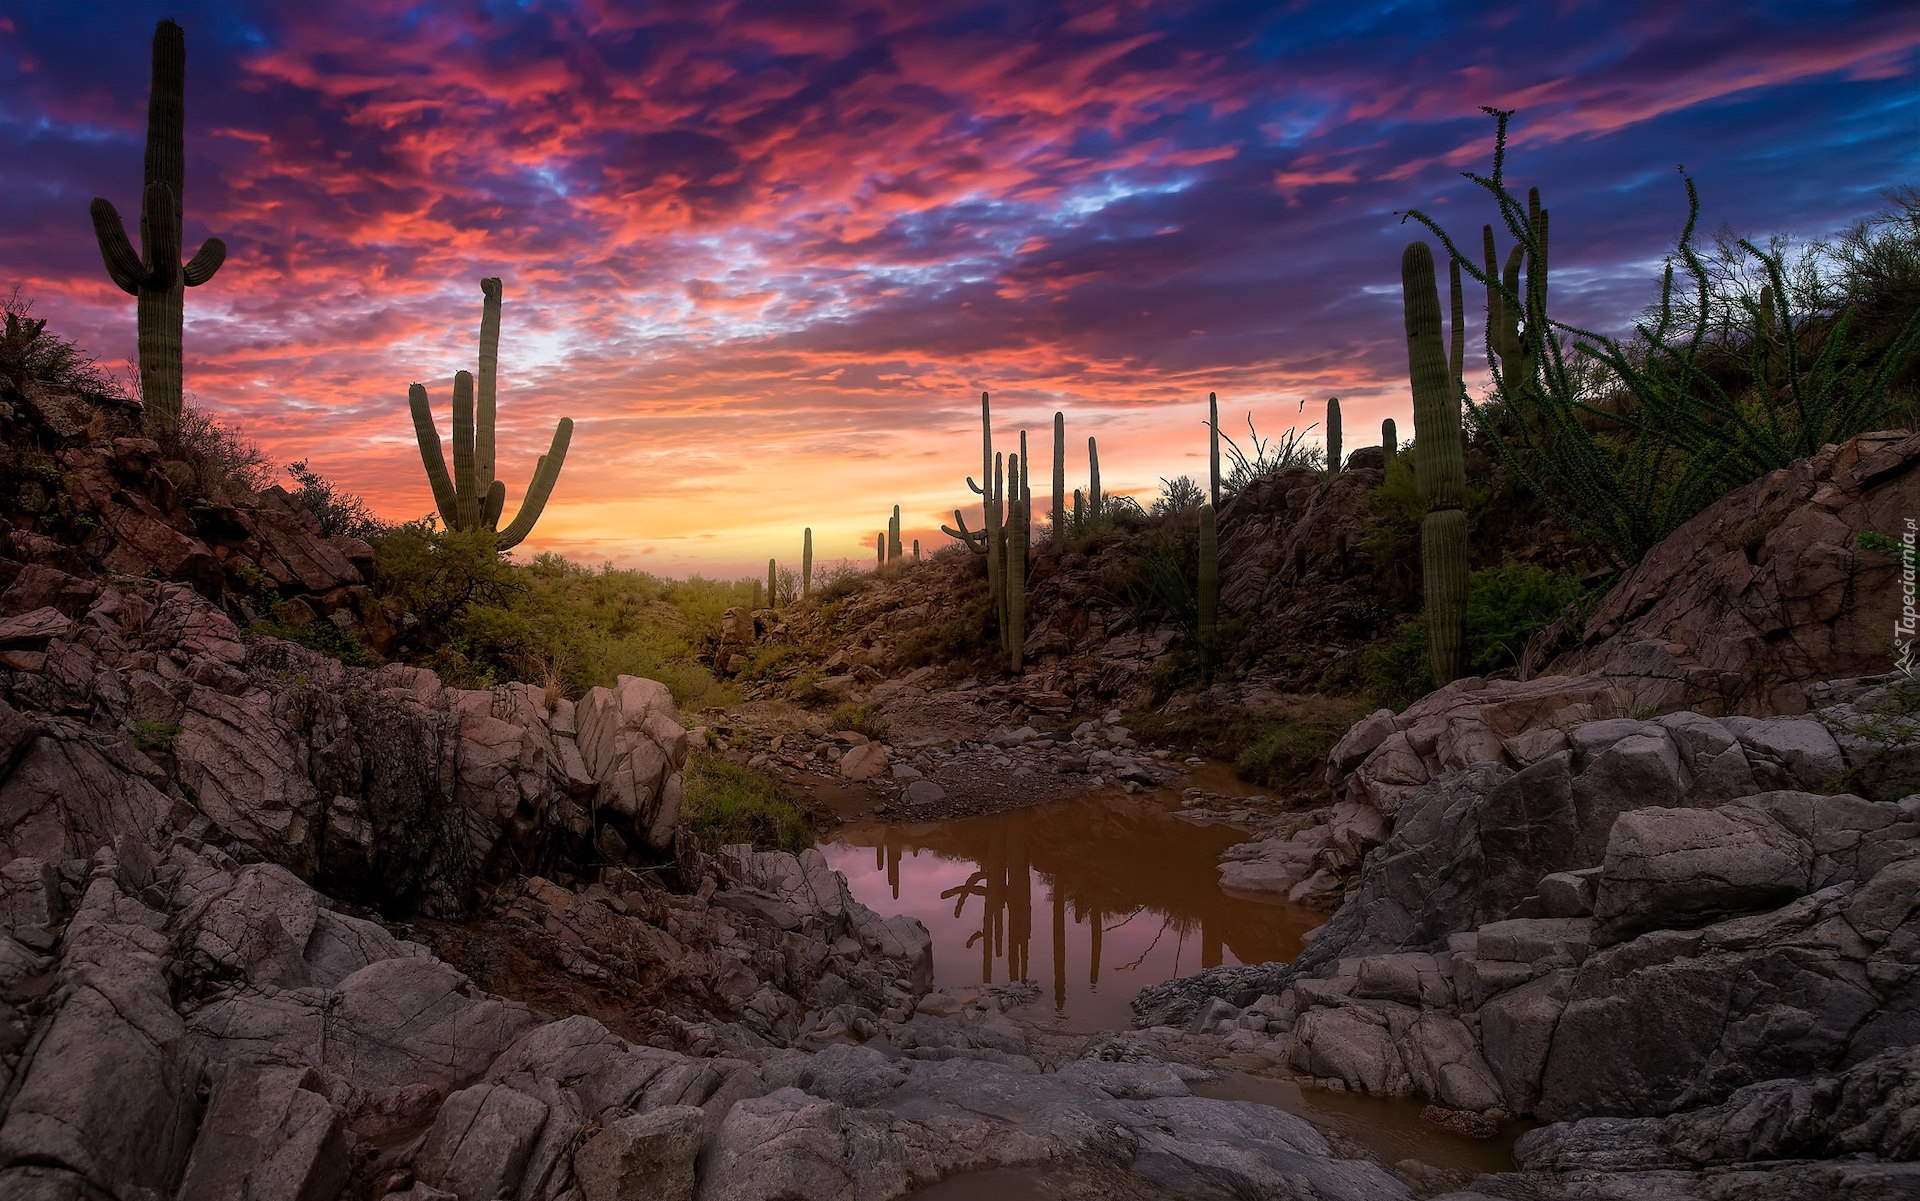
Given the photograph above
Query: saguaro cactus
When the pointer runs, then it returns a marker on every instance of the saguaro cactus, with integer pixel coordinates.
(155, 277)
(1513, 365)
(893, 535)
(1389, 439)
(1059, 477)
(916, 550)
(880, 549)
(1334, 457)
(1017, 529)
(1439, 457)
(1209, 598)
(773, 592)
(474, 497)
(806, 563)
(1079, 507)
(1093, 478)
(1213, 448)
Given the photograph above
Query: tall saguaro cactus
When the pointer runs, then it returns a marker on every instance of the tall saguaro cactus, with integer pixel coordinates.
(1334, 457)
(1017, 531)
(155, 277)
(474, 497)
(806, 563)
(1439, 461)
(1209, 599)
(773, 594)
(1059, 477)
(893, 535)
(1213, 448)
(1389, 439)
(1093, 479)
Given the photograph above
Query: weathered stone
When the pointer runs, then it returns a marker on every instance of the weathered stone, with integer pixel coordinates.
(646, 1157)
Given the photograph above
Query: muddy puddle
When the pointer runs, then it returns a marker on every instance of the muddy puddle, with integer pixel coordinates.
(1088, 899)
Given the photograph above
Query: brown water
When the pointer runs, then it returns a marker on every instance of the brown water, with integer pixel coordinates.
(1090, 899)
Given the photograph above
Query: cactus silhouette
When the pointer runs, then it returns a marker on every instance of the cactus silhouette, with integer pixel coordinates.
(1093, 479)
(1334, 458)
(1059, 476)
(773, 595)
(1439, 461)
(1213, 448)
(1389, 439)
(1209, 599)
(1017, 529)
(474, 496)
(806, 563)
(1514, 365)
(155, 277)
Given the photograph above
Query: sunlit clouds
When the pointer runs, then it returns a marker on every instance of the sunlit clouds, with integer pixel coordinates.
(767, 256)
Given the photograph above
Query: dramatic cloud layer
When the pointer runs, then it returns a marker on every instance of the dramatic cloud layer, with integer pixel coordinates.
(768, 255)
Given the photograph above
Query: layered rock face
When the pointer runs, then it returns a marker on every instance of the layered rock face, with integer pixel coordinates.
(383, 786)
(1678, 921)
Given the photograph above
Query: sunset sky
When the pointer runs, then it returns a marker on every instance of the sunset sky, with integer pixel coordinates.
(767, 256)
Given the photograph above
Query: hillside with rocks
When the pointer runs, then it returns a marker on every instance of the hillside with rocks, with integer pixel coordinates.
(281, 926)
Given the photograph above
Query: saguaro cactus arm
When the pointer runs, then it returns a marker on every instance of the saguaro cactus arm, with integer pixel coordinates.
(489, 380)
(1213, 448)
(545, 473)
(431, 456)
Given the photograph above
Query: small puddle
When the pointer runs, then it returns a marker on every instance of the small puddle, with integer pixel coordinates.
(1090, 898)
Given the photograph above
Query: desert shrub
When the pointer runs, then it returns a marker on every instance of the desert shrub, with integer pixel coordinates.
(727, 803)
(861, 718)
(29, 352)
(1507, 605)
(1178, 495)
(320, 635)
(340, 513)
(1269, 455)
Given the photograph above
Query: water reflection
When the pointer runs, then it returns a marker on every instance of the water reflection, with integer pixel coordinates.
(1130, 893)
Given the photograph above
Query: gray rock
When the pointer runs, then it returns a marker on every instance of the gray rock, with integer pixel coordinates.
(646, 1157)
(270, 1134)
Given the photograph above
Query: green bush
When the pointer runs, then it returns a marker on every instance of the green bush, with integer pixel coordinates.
(861, 719)
(727, 803)
(323, 636)
(1506, 606)
(1285, 754)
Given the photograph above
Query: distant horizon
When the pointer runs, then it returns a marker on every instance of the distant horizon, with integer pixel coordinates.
(768, 263)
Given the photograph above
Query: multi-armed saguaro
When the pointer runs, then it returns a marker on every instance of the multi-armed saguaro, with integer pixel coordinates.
(155, 277)
(473, 497)
(1439, 456)
(1006, 502)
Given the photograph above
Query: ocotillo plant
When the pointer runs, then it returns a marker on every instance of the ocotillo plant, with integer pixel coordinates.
(773, 591)
(1439, 461)
(1213, 447)
(1389, 439)
(1059, 476)
(1209, 598)
(473, 498)
(806, 563)
(1333, 436)
(1093, 479)
(155, 277)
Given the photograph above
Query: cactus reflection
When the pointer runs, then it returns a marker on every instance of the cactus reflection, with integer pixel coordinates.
(1089, 899)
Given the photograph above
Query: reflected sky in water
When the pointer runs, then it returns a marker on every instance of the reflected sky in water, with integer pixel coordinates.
(1091, 899)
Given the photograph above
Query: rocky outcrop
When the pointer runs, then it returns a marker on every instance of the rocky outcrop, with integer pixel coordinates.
(1675, 922)
(1765, 591)
(380, 785)
(83, 492)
